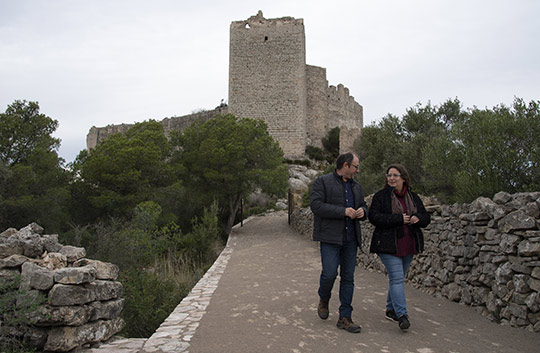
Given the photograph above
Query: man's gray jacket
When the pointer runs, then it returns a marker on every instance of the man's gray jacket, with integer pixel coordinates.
(327, 202)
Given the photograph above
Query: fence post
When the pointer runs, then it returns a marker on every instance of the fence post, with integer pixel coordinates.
(290, 204)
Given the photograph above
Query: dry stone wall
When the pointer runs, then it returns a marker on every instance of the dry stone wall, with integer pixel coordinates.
(82, 300)
(485, 254)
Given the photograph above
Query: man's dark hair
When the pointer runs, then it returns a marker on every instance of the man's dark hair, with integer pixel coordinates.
(344, 158)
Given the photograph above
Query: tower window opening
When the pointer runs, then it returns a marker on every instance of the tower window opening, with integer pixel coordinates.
(247, 26)
(265, 38)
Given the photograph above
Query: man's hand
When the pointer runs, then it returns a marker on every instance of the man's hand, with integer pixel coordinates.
(353, 214)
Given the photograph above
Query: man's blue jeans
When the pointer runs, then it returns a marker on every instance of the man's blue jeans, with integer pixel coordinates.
(344, 256)
(396, 267)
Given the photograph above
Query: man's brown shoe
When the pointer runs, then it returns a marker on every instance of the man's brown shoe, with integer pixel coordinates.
(323, 310)
(347, 324)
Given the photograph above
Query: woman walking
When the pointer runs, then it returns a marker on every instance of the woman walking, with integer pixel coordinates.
(397, 214)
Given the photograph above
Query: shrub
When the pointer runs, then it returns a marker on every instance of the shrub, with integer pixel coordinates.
(16, 309)
(149, 299)
(315, 153)
(158, 265)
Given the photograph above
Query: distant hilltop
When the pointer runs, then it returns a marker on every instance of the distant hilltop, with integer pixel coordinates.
(270, 80)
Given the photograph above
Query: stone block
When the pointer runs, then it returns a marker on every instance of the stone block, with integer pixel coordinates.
(68, 294)
(533, 302)
(107, 310)
(35, 276)
(503, 273)
(66, 338)
(11, 248)
(521, 283)
(508, 243)
(13, 261)
(518, 311)
(105, 270)
(54, 260)
(72, 253)
(516, 220)
(534, 284)
(536, 273)
(528, 248)
(74, 315)
(104, 290)
(502, 197)
(75, 275)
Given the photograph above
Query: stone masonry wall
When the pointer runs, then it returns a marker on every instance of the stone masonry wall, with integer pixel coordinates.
(267, 77)
(97, 134)
(269, 80)
(82, 299)
(344, 112)
(485, 254)
(317, 104)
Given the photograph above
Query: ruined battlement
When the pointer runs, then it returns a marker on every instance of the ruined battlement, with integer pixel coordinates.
(258, 20)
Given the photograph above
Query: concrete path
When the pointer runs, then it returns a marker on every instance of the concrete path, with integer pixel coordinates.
(261, 296)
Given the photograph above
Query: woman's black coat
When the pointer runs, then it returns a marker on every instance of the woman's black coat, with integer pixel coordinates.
(389, 226)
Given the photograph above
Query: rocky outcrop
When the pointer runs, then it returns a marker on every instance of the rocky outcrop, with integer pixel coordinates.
(300, 178)
(81, 300)
(485, 254)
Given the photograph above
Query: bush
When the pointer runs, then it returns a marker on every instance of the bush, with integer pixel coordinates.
(158, 266)
(331, 144)
(16, 309)
(149, 299)
(315, 153)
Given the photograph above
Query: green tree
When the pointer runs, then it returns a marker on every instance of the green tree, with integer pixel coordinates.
(227, 158)
(331, 143)
(122, 171)
(455, 154)
(498, 149)
(25, 132)
(427, 134)
(34, 184)
(330, 150)
(380, 144)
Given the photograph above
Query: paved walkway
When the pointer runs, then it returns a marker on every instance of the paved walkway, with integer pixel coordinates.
(266, 301)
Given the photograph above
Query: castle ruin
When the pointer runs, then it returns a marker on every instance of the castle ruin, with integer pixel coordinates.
(270, 80)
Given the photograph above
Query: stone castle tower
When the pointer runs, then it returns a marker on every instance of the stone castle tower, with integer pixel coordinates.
(269, 80)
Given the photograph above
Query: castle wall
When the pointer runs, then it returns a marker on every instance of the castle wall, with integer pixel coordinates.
(329, 107)
(98, 134)
(317, 104)
(344, 112)
(267, 77)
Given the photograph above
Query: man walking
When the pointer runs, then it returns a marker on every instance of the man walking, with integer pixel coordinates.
(337, 202)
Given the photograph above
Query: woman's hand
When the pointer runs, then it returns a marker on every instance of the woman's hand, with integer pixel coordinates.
(406, 219)
(410, 219)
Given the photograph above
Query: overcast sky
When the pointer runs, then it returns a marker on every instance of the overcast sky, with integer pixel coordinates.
(94, 63)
